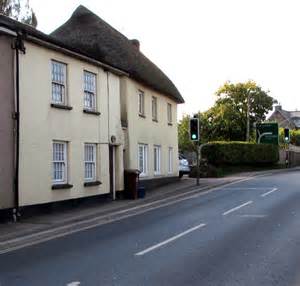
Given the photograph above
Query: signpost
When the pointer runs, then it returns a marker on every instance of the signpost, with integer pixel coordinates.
(267, 133)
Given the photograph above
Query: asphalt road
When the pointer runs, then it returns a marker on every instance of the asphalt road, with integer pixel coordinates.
(243, 234)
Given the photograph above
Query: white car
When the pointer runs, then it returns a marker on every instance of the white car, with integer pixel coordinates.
(184, 167)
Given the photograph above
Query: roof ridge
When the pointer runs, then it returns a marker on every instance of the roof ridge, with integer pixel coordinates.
(82, 8)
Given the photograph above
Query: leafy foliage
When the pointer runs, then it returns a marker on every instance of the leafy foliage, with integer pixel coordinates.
(18, 10)
(230, 109)
(227, 119)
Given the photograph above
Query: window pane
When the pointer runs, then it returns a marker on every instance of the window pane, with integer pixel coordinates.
(89, 90)
(58, 82)
(59, 162)
(90, 161)
(141, 102)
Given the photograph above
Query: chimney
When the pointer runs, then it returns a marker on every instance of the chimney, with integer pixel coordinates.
(278, 107)
(135, 43)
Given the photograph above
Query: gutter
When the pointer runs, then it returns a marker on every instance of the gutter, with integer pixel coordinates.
(18, 46)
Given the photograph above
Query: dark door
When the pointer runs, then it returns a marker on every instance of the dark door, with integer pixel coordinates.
(111, 169)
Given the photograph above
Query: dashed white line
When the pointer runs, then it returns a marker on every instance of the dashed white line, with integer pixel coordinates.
(237, 208)
(75, 283)
(170, 240)
(270, 192)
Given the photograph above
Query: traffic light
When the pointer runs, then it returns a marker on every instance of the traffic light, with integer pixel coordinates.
(194, 129)
(286, 135)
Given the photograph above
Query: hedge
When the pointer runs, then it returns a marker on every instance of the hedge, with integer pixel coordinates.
(240, 153)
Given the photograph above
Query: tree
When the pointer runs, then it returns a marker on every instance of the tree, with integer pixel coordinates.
(18, 10)
(233, 103)
(227, 119)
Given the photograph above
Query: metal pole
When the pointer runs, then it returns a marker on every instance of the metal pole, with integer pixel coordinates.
(198, 164)
(248, 117)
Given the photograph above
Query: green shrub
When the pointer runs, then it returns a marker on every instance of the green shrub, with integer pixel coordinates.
(240, 153)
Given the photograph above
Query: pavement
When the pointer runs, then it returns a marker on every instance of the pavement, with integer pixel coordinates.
(238, 230)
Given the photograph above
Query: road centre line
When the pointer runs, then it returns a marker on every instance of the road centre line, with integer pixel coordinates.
(158, 245)
(75, 283)
(270, 192)
(237, 208)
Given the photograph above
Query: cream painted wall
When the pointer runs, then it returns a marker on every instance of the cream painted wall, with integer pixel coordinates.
(146, 131)
(40, 124)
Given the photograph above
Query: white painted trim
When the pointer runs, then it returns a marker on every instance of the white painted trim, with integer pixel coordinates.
(7, 31)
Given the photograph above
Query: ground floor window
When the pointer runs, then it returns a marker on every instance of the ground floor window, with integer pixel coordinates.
(59, 162)
(170, 160)
(90, 155)
(143, 158)
(157, 159)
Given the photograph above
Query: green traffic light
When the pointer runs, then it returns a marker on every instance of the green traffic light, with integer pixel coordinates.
(194, 136)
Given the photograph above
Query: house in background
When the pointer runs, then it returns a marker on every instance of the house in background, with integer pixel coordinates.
(86, 104)
(286, 119)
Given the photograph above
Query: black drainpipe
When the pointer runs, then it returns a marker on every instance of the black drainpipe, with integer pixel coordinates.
(18, 46)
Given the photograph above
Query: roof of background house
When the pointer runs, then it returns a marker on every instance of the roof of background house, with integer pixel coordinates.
(292, 116)
(93, 36)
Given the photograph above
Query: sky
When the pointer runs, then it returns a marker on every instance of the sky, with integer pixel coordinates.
(200, 44)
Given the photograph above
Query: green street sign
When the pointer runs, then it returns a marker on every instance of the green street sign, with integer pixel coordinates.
(267, 133)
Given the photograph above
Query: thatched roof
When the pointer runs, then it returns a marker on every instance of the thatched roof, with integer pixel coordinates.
(30, 33)
(94, 37)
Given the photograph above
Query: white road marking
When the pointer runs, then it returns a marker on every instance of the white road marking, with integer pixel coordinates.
(75, 283)
(270, 192)
(248, 188)
(178, 198)
(170, 239)
(237, 208)
(253, 215)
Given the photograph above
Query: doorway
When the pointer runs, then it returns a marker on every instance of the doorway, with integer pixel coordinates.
(112, 171)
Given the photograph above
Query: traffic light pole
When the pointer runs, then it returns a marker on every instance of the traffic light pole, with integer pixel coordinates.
(199, 159)
(198, 163)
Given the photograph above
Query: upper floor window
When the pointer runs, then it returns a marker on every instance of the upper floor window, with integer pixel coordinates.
(169, 111)
(154, 108)
(59, 80)
(90, 162)
(141, 103)
(89, 90)
(59, 162)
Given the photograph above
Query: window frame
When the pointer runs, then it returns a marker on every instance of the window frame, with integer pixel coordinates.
(157, 159)
(141, 103)
(64, 180)
(63, 84)
(154, 108)
(89, 91)
(170, 160)
(169, 113)
(144, 172)
(93, 162)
